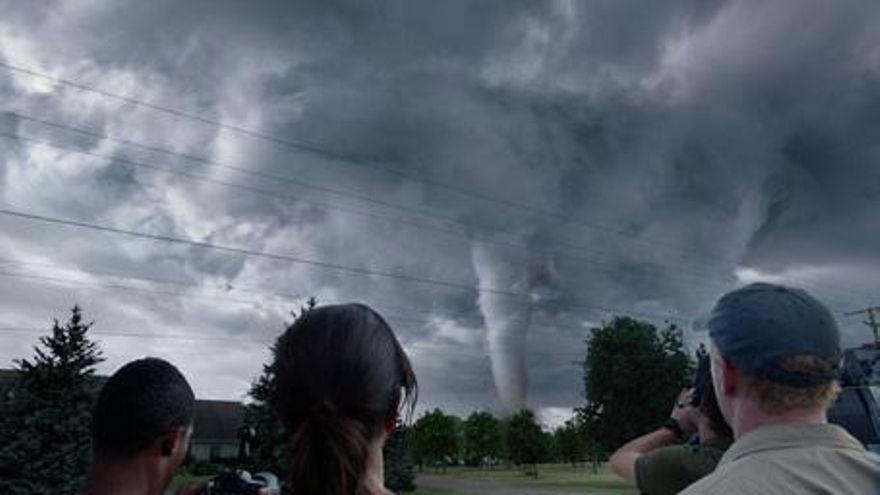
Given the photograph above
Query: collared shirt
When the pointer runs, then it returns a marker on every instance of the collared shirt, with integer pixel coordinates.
(668, 470)
(794, 458)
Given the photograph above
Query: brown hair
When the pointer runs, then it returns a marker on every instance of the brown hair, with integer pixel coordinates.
(775, 397)
(340, 373)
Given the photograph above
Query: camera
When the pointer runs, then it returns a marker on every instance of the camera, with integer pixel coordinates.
(702, 381)
(243, 483)
(239, 481)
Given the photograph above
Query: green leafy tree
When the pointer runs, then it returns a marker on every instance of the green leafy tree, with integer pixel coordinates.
(631, 374)
(571, 442)
(483, 439)
(45, 425)
(436, 440)
(398, 463)
(549, 448)
(525, 441)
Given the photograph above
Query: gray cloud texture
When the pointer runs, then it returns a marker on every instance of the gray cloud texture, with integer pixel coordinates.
(648, 155)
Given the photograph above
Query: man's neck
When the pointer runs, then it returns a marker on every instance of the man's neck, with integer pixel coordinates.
(749, 416)
(129, 477)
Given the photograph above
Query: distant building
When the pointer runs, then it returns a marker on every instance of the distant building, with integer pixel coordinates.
(7, 377)
(215, 435)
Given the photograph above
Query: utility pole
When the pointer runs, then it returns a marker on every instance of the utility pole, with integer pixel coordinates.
(870, 321)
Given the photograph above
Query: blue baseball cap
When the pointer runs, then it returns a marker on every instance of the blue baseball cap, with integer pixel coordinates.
(760, 325)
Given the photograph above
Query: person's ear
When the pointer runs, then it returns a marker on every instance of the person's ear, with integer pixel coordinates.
(728, 379)
(168, 443)
(391, 417)
(173, 441)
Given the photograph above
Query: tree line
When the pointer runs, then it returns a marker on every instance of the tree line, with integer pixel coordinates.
(484, 440)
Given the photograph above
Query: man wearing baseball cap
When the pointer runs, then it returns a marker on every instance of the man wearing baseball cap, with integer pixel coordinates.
(775, 352)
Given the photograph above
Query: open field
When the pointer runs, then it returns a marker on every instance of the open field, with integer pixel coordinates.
(552, 479)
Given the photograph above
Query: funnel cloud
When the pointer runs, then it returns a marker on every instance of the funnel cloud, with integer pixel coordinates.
(507, 320)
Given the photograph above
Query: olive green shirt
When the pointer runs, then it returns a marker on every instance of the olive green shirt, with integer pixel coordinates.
(669, 470)
(794, 458)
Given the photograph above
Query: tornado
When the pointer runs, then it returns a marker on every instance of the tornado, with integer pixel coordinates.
(507, 321)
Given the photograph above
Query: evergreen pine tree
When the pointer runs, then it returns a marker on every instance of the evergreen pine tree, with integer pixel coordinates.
(45, 425)
(270, 452)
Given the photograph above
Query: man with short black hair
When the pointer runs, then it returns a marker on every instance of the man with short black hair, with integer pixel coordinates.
(775, 352)
(141, 425)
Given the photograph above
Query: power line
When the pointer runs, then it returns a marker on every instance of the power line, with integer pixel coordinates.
(115, 286)
(254, 190)
(299, 260)
(259, 254)
(698, 278)
(101, 285)
(364, 161)
(262, 175)
(534, 330)
(469, 227)
(154, 280)
(341, 157)
(468, 234)
(383, 307)
(202, 338)
(192, 337)
(675, 274)
(397, 319)
(140, 278)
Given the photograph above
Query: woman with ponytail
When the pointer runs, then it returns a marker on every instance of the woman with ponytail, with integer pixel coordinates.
(341, 381)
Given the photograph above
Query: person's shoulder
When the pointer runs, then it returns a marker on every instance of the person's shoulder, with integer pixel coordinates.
(739, 477)
(716, 483)
(670, 469)
(681, 458)
(665, 457)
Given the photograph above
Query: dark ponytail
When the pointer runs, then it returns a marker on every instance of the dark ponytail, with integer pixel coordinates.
(340, 376)
(330, 453)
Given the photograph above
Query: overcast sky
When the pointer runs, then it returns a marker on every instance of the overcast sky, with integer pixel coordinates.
(593, 158)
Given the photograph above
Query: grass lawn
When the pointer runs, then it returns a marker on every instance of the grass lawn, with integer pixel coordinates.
(551, 477)
(185, 479)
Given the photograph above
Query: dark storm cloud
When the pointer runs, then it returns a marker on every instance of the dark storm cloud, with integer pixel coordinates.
(690, 146)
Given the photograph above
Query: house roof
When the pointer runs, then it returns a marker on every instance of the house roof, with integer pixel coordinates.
(216, 420)
(7, 378)
(7, 375)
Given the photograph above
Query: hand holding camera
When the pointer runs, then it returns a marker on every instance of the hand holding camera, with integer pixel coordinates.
(685, 413)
